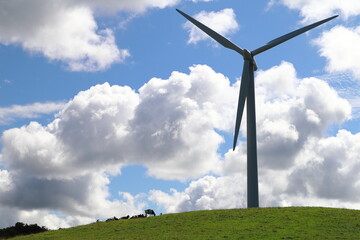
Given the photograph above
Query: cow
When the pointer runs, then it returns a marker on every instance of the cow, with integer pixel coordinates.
(112, 219)
(138, 216)
(149, 212)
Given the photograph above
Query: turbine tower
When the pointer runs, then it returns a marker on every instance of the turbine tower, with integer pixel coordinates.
(247, 92)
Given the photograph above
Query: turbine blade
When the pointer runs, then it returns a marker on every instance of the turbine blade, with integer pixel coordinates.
(290, 35)
(217, 37)
(245, 80)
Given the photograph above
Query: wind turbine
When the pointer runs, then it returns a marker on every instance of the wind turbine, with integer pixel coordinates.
(247, 91)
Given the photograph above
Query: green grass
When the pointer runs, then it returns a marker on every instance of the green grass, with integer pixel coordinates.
(260, 223)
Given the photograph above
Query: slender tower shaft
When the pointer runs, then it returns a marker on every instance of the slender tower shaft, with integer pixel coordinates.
(252, 168)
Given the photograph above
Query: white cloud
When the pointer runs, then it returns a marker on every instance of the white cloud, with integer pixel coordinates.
(167, 126)
(224, 22)
(65, 203)
(204, 194)
(288, 117)
(330, 168)
(340, 46)
(67, 31)
(66, 163)
(172, 121)
(35, 110)
(317, 9)
(5, 180)
(281, 79)
(71, 141)
(174, 124)
(325, 173)
(296, 162)
(60, 32)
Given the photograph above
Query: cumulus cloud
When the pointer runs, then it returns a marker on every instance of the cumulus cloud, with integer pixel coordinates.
(296, 162)
(224, 22)
(98, 115)
(317, 9)
(330, 168)
(65, 203)
(47, 174)
(174, 124)
(340, 46)
(62, 202)
(172, 127)
(67, 31)
(172, 121)
(35, 110)
(204, 194)
(324, 173)
(288, 116)
(167, 126)
(5, 180)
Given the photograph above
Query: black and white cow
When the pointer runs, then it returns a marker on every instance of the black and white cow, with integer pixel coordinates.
(149, 212)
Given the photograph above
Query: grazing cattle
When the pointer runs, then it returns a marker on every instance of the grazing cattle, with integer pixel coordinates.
(112, 219)
(138, 216)
(126, 217)
(149, 212)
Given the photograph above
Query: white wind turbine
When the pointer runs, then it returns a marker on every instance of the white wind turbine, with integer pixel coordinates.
(247, 92)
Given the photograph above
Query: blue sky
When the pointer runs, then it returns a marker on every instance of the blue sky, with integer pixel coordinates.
(111, 107)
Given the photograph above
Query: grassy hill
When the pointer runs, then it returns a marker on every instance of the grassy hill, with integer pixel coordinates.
(261, 223)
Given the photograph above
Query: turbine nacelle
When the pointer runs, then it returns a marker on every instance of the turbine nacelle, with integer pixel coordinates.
(247, 55)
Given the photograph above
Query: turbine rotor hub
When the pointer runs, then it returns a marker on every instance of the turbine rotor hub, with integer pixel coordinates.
(247, 55)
